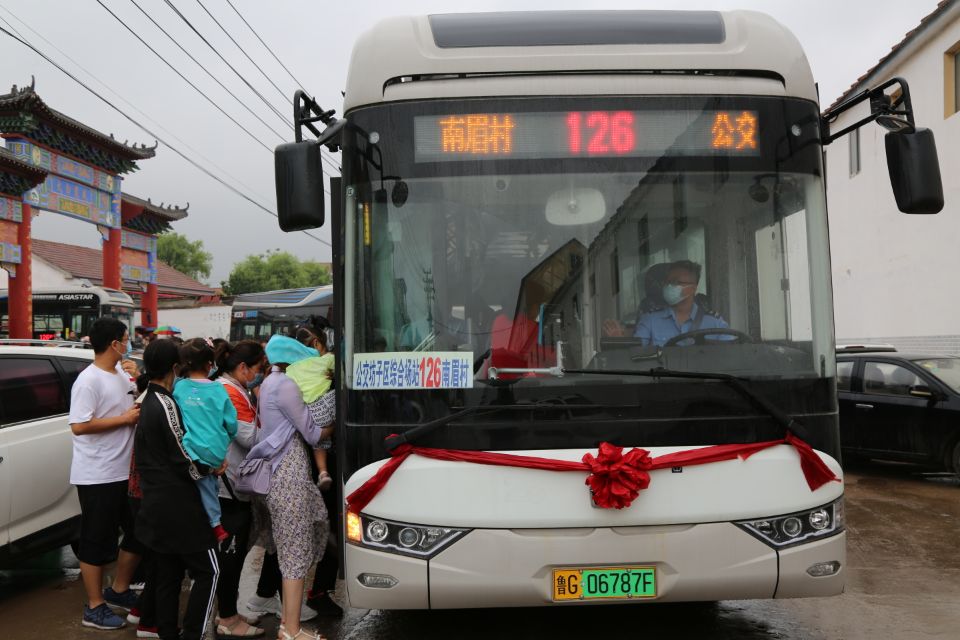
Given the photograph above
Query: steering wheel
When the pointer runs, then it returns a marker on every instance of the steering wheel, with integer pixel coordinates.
(700, 337)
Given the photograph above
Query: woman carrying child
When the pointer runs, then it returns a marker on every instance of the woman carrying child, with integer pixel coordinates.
(298, 516)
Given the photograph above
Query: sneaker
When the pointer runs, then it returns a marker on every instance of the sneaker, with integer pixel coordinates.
(126, 600)
(134, 616)
(324, 482)
(324, 605)
(101, 617)
(138, 586)
(307, 612)
(256, 604)
(147, 632)
(271, 605)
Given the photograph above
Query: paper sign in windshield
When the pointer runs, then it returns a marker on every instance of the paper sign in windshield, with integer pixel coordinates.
(412, 370)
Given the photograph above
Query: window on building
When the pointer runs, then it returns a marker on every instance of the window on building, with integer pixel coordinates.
(854, 142)
(951, 81)
(30, 389)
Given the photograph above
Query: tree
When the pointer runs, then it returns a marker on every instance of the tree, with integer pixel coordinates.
(274, 270)
(183, 255)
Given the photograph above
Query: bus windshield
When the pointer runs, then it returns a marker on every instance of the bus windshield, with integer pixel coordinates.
(686, 233)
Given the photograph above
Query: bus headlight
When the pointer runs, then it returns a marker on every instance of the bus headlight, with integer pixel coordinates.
(406, 539)
(797, 528)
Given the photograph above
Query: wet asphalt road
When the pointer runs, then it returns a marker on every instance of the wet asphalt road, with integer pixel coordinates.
(903, 583)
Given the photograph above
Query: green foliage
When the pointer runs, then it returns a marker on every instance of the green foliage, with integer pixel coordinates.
(274, 270)
(184, 256)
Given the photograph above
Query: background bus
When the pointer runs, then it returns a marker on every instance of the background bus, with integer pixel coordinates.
(524, 196)
(257, 316)
(55, 311)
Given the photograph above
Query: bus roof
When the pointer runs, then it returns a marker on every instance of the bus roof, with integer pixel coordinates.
(286, 297)
(107, 295)
(418, 57)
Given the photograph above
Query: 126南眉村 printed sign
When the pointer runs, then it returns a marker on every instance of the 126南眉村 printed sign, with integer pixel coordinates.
(407, 370)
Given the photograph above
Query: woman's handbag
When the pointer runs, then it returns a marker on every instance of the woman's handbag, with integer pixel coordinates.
(253, 476)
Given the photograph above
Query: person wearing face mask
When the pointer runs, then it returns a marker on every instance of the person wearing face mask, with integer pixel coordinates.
(241, 370)
(681, 313)
(102, 418)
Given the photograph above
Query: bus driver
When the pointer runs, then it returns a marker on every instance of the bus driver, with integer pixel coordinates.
(680, 312)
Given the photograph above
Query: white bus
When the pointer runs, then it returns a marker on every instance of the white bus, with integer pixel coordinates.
(257, 316)
(560, 233)
(68, 312)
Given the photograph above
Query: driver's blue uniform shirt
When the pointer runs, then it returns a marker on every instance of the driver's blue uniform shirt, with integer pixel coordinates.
(656, 327)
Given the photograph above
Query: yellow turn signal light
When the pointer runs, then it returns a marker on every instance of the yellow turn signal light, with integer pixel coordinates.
(354, 527)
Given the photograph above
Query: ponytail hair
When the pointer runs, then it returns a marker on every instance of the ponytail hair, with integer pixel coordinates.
(196, 355)
(159, 359)
(230, 356)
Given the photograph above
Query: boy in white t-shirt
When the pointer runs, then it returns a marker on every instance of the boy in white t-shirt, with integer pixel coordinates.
(102, 417)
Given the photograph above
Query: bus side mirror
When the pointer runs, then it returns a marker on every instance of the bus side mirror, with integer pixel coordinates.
(914, 171)
(299, 177)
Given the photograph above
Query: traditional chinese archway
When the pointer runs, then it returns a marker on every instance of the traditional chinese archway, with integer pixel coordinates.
(142, 221)
(83, 176)
(16, 178)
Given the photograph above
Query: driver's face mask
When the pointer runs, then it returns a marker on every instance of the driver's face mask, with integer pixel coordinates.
(674, 293)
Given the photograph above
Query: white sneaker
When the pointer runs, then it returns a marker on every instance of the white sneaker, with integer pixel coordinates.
(256, 604)
(306, 613)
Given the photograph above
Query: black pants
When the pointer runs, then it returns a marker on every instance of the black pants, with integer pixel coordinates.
(146, 571)
(204, 569)
(236, 520)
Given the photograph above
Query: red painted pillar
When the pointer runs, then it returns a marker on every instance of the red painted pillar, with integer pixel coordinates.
(149, 306)
(111, 260)
(21, 286)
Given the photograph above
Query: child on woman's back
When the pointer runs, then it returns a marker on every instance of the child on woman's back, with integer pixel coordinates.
(314, 376)
(210, 420)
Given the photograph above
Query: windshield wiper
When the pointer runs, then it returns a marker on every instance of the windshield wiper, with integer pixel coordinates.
(421, 430)
(737, 382)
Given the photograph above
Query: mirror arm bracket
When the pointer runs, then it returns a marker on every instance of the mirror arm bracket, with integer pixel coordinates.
(880, 105)
(306, 112)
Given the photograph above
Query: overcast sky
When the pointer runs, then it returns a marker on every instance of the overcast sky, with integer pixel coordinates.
(313, 39)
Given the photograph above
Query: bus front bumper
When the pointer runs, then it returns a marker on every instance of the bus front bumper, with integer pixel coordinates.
(514, 568)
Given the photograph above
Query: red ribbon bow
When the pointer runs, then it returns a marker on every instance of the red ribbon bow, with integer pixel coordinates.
(616, 479)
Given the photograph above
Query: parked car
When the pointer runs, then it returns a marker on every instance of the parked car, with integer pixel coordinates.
(900, 406)
(39, 510)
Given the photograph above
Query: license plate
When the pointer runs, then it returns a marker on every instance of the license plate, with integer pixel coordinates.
(604, 582)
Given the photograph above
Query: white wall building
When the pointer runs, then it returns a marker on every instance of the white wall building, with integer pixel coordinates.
(895, 275)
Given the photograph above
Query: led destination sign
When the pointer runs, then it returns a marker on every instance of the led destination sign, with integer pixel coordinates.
(585, 134)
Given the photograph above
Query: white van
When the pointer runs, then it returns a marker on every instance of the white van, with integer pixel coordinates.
(39, 510)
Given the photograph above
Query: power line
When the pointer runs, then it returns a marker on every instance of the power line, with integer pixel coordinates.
(232, 68)
(262, 72)
(193, 162)
(269, 104)
(108, 88)
(185, 79)
(207, 71)
(275, 57)
(252, 30)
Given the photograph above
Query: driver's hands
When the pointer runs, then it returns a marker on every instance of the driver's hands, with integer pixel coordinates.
(613, 329)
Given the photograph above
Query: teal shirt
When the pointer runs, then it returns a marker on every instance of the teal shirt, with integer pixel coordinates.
(210, 419)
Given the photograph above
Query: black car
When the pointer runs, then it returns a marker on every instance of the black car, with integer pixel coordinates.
(900, 406)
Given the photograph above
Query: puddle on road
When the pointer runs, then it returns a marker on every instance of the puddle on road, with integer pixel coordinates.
(60, 565)
(718, 621)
